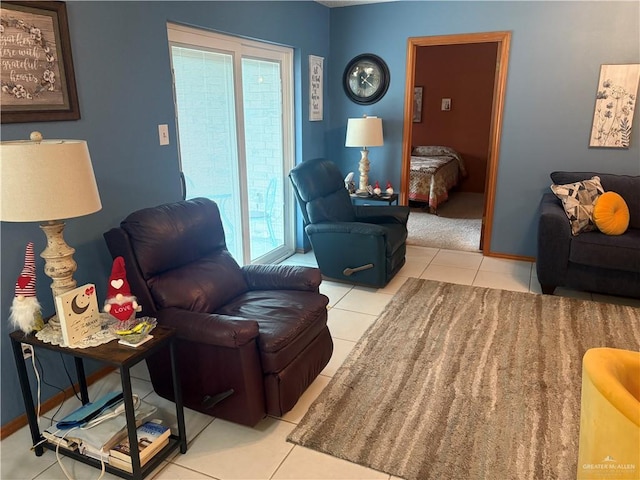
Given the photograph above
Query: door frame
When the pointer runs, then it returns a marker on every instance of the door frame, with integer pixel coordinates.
(503, 40)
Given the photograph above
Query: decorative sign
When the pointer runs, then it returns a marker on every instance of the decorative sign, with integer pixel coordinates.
(36, 70)
(78, 314)
(316, 70)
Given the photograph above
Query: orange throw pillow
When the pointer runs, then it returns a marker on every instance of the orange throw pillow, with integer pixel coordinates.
(611, 214)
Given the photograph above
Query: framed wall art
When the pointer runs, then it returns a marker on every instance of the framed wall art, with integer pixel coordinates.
(417, 104)
(316, 69)
(36, 70)
(616, 99)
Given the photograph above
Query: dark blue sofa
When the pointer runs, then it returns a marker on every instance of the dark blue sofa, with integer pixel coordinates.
(590, 261)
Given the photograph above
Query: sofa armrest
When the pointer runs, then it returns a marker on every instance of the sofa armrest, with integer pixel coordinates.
(211, 329)
(554, 242)
(382, 214)
(282, 277)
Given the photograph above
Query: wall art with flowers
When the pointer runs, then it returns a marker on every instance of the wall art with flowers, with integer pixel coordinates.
(37, 81)
(616, 100)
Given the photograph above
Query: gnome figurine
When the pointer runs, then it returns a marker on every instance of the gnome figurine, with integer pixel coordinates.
(26, 313)
(120, 303)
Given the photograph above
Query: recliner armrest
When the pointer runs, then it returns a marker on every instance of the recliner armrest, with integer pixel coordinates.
(211, 329)
(282, 277)
(348, 228)
(382, 214)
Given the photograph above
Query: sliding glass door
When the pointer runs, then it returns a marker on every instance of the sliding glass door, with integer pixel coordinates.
(235, 126)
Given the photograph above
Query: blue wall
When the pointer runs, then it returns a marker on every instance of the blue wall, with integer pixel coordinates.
(556, 52)
(121, 60)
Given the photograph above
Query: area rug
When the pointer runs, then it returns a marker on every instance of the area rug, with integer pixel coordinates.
(459, 382)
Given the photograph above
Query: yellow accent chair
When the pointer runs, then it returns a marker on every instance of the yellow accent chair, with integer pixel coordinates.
(610, 415)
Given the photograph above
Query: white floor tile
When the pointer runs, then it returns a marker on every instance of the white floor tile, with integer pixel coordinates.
(176, 472)
(347, 325)
(334, 290)
(303, 464)
(304, 402)
(503, 265)
(394, 285)
(17, 461)
(517, 281)
(421, 254)
(225, 450)
(341, 349)
(364, 300)
(413, 269)
(453, 258)
(444, 273)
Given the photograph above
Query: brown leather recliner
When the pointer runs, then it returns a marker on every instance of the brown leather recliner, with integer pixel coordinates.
(250, 339)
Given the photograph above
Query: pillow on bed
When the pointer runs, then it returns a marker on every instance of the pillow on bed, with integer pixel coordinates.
(432, 150)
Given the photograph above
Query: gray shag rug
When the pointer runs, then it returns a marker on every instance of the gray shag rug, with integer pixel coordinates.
(456, 226)
(460, 382)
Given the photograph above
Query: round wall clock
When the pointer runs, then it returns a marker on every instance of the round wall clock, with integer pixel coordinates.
(366, 79)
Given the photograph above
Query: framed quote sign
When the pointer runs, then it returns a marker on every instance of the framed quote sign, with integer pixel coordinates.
(36, 68)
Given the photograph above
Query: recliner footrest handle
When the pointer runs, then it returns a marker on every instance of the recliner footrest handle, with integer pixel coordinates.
(349, 271)
(211, 401)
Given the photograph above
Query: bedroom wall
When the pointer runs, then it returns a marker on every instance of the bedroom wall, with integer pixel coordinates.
(556, 52)
(465, 74)
(121, 60)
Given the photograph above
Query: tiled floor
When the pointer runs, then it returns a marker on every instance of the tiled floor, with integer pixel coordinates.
(222, 450)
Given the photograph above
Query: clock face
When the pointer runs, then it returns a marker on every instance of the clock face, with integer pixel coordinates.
(366, 79)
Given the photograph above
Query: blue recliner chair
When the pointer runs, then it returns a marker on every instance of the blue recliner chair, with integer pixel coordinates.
(358, 244)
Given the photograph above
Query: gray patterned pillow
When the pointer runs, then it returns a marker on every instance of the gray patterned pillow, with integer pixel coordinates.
(578, 199)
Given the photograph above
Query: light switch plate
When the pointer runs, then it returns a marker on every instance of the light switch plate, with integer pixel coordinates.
(446, 104)
(163, 133)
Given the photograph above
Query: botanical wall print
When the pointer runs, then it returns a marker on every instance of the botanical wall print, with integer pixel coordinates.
(417, 104)
(36, 69)
(615, 103)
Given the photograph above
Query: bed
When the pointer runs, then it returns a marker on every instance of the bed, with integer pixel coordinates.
(434, 171)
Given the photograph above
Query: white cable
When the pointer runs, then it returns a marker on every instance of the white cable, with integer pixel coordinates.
(35, 370)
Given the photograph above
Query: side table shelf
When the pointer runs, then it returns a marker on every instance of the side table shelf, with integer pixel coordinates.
(123, 358)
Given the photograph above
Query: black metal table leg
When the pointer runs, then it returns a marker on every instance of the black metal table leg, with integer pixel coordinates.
(23, 377)
(177, 393)
(82, 380)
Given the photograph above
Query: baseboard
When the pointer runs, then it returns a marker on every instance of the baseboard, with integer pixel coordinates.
(521, 258)
(16, 424)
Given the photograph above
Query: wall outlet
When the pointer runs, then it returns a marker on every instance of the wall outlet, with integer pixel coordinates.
(27, 350)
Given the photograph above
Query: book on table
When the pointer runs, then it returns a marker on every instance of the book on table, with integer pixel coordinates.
(152, 437)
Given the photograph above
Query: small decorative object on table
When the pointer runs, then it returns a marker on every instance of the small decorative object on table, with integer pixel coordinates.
(389, 188)
(26, 313)
(135, 331)
(78, 313)
(120, 303)
(376, 189)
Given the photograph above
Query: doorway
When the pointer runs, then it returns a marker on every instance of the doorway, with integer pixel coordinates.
(502, 42)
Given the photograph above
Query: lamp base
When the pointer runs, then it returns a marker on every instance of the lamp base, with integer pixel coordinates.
(58, 256)
(363, 168)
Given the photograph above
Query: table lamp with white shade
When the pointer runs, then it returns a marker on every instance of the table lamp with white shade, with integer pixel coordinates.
(48, 181)
(364, 132)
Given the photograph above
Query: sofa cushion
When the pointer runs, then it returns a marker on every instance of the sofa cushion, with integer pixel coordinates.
(597, 250)
(578, 199)
(628, 186)
(611, 214)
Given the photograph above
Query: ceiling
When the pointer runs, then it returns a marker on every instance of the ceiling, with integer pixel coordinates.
(348, 3)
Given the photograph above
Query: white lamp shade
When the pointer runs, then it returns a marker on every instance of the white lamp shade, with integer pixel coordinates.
(46, 180)
(364, 132)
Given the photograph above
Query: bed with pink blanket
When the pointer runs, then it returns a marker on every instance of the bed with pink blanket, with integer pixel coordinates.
(434, 171)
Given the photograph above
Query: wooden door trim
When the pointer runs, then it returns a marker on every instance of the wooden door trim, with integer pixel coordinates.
(503, 39)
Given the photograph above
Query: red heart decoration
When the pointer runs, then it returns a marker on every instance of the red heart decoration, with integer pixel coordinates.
(122, 312)
(23, 281)
(89, 291)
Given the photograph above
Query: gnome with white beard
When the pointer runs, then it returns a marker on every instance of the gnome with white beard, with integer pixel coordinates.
(26, 313)
(120, 304)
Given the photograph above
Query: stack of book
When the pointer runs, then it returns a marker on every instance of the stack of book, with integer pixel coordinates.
(152, 437)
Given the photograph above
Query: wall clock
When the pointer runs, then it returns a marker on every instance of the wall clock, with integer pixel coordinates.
(366, 79)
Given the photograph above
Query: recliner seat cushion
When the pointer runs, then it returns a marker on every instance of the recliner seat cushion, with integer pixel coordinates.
(598, 250)
(288, 320)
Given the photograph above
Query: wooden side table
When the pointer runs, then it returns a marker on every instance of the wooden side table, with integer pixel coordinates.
(123, 358)
(368, 199)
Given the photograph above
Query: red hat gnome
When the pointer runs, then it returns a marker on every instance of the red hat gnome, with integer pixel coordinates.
(25, 310)
(120, 303)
